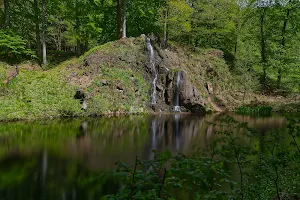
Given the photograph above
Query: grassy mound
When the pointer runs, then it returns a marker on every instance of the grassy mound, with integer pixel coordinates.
(111, 85)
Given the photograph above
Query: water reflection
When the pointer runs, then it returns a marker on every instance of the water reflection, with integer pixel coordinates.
(56, 160)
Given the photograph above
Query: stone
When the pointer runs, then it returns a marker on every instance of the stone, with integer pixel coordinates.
(190, 97)
(104, 82)
(120, 86)
(84, 105)
(159, 88)
(209, 88)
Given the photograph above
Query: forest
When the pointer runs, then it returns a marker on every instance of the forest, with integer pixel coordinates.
(149, 99)
(256, 36)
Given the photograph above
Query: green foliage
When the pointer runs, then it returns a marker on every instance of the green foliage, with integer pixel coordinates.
(31, 97)
(266, 171)
(254, 110)
(176, 16)
(13, 47)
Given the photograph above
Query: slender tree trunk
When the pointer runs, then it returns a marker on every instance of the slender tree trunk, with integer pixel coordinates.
(37, 29)
(79, 47)
(6, 13)
(119, 19)
(44, 32)
(283, 34)
(124, 19)
(263, 46)
(59, 39)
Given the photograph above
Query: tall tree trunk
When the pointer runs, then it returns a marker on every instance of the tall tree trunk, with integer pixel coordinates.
(44, 26)
(79, 47)
(59, 38)
(37, 29)
(263, 46)
(283, 34)
(119, 19)
(6, 13)
(124, 19)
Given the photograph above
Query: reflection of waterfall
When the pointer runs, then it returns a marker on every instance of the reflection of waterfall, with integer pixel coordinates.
(176, 99)
(177, 131)
(153, 138)
(152, 63)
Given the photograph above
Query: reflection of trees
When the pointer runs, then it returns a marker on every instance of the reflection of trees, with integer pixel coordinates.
(45, 175)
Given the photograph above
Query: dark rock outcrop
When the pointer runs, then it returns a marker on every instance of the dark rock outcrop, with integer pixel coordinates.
(190, 97)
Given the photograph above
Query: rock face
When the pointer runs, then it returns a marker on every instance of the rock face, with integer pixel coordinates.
(190, 97)
(173, 86)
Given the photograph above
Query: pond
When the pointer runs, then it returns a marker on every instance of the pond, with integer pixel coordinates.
(64, 159)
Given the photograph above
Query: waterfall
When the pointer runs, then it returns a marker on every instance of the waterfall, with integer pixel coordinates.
(177, 87)
(152, 63)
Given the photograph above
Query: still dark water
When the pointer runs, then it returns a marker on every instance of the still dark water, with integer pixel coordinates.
(64, 159)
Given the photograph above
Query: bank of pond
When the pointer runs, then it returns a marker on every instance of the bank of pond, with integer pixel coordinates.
(217, 156)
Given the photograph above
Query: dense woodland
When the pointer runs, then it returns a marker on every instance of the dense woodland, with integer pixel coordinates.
(255, 36)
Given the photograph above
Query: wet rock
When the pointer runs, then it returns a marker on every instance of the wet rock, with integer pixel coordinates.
(190, 97)
(159, 88)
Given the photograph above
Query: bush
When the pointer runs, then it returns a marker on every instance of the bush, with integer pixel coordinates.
(13, 48)
(254, 110)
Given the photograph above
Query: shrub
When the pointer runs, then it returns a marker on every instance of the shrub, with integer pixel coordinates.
(254, 110)
(13, 47)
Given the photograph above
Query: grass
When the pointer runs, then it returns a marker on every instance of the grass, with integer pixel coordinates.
(254, 110)
(37, 94)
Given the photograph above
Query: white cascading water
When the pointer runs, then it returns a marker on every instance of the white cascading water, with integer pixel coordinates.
(176, 103)
(152, 63)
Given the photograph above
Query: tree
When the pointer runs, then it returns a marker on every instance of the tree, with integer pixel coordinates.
(124, 20)
(119, 19)
(175, 19)
(6, 13)
(263, 11)
(37, 28)
(213, 24)
(44, 29)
